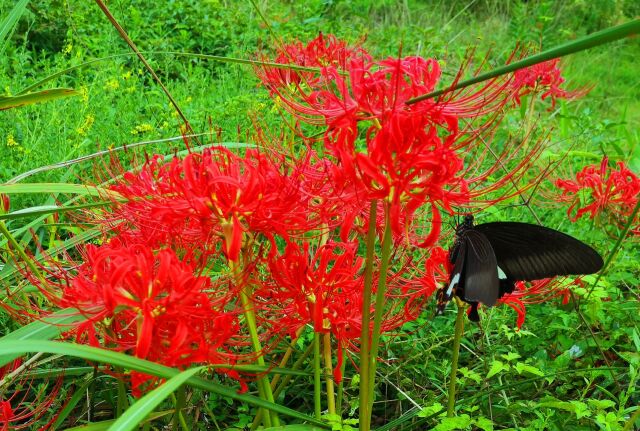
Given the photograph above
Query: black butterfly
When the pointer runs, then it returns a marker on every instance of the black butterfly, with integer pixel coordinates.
(489, 258)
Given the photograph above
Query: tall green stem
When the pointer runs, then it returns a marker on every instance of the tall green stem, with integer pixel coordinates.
(379, 311)
(271, 419)
(317, 378)
(341, 386)
(451, 402)
(328, 375)
(364, 409)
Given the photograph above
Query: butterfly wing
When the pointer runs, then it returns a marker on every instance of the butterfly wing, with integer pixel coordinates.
(480, 269)
(445, 295)
(530, 252)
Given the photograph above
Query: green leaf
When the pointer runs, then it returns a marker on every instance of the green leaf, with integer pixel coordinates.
(48, 188)
(579, 408)
(48, 209)
(455, 423)
(496, 367)
(45, 329)
(511, 356)
(136, 414)
(601, 404)
(484, 424)
(9, 102)
(470, 374)
(8, 24)
(294, 427)
(521, 367)
(431, 410)
(18, 348)
(104, 425)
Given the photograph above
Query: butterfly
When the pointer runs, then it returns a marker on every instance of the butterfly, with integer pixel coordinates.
(489, 258)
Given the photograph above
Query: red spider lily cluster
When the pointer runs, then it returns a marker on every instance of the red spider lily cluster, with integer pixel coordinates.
(545, 78)
(26, 407)
(537, 292)
(205, 244)
(603, 192)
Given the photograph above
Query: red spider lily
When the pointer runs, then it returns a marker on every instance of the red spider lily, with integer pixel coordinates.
(320, 52)
(316, 288)
(216, 195)
(322, 288)
(543, 77)
(602, 190)
(5, 203)
(409, 154)
(150, 305)
(536, 292)
(27, 406)
(437, 267)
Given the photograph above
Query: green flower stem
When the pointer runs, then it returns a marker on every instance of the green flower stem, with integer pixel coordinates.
(328, 375)
(616, 247)
(380, 302)
(364, 409)
(317, 380)
(178, 418)
(455, 354)
(599, 38)
(264, 387)
(285, 359)
(343, 366)
(121, 402)
(283, 384)
(21, 253)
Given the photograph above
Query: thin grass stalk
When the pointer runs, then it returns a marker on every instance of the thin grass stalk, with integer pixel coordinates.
(276, 378)
(364, 409)
(281, 387)
(343, 366)
(595, 39)
(285, 359)
(616, 247)
(317, 380)
(146, 64)
(264, 387)
(628, 426)
(385, 254)
(121, 402)
(328, 375)
(22, 254)
(283, 384)
(455, 355)
(179, 402)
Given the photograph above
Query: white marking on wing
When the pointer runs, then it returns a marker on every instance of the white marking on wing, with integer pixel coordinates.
(454, 282)
(501, 274)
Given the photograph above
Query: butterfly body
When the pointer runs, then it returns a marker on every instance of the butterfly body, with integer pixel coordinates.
(488, 259)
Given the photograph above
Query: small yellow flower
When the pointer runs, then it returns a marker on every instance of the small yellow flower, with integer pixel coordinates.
(126, 75)
(142, 128)
(84, 94)
(112, 84)
(86, 125)
(11, 141)
(68, 48)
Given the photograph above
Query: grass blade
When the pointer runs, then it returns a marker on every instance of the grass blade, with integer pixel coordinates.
(9, 102)
(9, 23)
(599, 38)
(45, 329)
(13, 347)
(137, 413)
